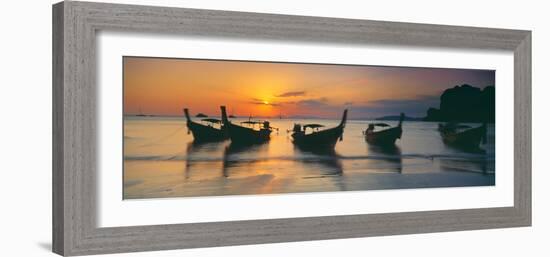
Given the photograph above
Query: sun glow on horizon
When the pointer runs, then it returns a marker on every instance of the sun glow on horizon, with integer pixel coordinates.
(163, 86)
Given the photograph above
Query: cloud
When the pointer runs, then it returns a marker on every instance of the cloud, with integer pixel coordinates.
(319, 102)
(262, 102)
(292, 94)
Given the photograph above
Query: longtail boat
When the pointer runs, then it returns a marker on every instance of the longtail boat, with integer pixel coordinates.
(244, 135)
(463, 136)
(206, 133)
(318, 139)
(386, 137)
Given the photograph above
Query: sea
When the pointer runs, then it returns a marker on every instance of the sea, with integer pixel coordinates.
(161, 160)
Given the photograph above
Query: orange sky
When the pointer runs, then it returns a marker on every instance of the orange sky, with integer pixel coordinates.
(164, 86)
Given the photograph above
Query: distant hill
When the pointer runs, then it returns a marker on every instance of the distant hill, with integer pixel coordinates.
(396, 117)
(465, 104)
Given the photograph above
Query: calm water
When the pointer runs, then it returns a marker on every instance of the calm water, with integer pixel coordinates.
(160, 160)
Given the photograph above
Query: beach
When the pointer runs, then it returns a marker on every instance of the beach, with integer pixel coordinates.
(161, 160)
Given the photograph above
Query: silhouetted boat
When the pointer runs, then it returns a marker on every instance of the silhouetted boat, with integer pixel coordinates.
(206, 133)
(463, 136)
(384, 137)
(323, 139)
(242, 135)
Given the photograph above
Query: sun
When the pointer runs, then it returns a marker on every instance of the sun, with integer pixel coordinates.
(266, 102)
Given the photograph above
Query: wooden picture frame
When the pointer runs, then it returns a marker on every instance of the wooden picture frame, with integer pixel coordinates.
(75, 25)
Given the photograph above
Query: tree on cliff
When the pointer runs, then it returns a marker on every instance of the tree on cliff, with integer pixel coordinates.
(465, 104)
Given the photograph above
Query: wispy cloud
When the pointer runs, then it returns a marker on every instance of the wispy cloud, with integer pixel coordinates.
(262, 102)
(292, 94)
(319, 102)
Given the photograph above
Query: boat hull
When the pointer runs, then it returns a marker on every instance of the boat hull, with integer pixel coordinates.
(204, 133)
(471, 138)
(244, 136)
(240, 135)
(385, 137)
(325, 139)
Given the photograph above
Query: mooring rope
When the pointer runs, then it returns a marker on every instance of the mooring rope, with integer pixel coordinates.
(161, 139)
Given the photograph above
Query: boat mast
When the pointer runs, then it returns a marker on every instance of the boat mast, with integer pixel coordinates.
(186, 111)
(225, 121)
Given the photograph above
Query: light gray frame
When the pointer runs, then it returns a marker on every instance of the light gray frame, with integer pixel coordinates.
(74, 126)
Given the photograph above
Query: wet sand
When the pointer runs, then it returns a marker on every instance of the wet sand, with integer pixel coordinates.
(160, 160)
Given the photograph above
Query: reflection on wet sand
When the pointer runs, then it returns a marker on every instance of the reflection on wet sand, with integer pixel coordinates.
(390, 155)
(480, 165)
(467, 149)
(242, 156)
(328, 166)
(327, 159)
(479, 162)
(174, 166)
(197, 155)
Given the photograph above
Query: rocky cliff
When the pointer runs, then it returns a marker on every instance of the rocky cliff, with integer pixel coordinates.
(465, 104)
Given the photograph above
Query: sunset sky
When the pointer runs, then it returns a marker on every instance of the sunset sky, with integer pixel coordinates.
(163, 86)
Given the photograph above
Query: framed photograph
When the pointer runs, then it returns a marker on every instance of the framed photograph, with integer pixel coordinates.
(183, 128)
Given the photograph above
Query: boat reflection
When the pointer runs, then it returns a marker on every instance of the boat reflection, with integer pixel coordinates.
(474, 165)
(389, 156)
(463, 137)
(198, 156)
(243, 156)
(327, 165)
(466, 149)
(328, 160)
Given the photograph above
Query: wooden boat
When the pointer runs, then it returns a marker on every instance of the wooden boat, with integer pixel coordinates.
(386, 137)
(318, 139)
(244, 135)
(206, 133)
(463, 136)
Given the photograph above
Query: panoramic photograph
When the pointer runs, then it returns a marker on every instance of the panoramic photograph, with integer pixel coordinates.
(198, 127)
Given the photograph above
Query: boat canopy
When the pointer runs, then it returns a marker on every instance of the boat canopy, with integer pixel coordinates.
(313, 126)
(454, 126)
(252, 122)
(211, 120)
(380, 124)
(462, 126)
(201, 115)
